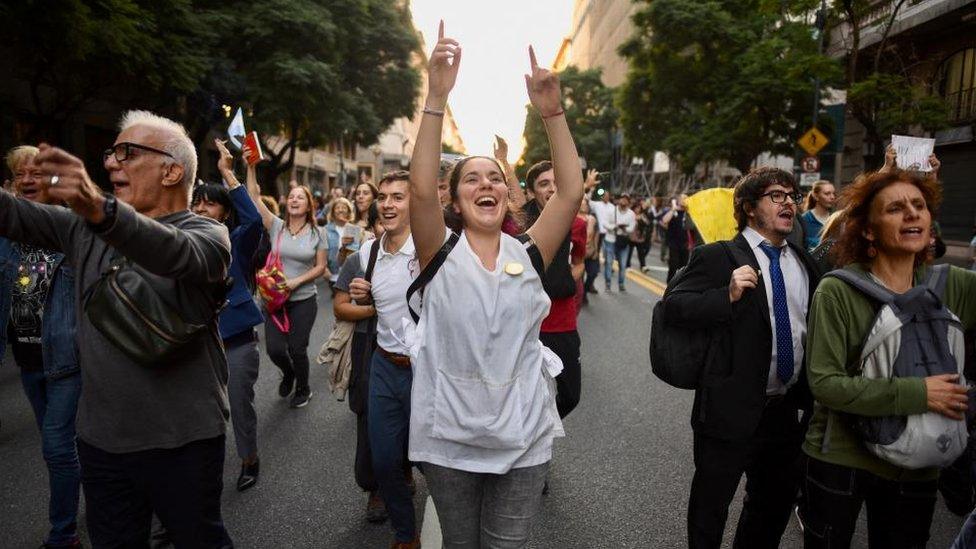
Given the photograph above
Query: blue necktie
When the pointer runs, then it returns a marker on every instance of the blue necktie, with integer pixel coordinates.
(784, 334)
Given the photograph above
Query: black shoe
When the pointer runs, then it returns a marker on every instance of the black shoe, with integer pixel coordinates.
(623, 290)
(301, 398)
(249, 475)
(591, 290)
(286, 385)
(375, 509)
(608, 287)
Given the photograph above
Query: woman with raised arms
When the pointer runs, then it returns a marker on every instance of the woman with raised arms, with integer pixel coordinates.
(483, 409)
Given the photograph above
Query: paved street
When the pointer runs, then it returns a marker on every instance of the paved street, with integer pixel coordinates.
(620, 478)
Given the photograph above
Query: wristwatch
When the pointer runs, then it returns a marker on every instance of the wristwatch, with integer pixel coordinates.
(110, 208)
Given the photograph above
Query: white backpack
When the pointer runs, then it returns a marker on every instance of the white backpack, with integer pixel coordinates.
(914, 335)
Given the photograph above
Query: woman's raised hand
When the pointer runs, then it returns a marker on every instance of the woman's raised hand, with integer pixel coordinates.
(442, 69)
(543, 87)
(226, 162)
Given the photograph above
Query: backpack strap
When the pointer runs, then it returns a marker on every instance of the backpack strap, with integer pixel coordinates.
(429, 271)
(735, 253)
(865, 285)
(936, 279)
(374, 251)
(535, 256)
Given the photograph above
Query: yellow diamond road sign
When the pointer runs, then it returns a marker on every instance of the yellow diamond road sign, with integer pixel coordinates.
(813, 141)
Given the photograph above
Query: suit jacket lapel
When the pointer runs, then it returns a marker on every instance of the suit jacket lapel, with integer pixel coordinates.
(758, 294)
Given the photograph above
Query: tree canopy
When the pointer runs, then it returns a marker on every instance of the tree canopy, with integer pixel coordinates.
(591, 115)
(719, 80)
(308, 70)
(881, 94)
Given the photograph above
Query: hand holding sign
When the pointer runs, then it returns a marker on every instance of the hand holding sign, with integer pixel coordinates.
(912, 153)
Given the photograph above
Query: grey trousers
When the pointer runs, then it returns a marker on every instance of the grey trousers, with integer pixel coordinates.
(243, 361)
(484, 510)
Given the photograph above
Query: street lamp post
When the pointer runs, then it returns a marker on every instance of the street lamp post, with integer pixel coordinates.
(821, 24)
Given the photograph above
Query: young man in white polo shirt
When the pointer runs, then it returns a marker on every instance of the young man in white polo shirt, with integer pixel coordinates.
(390, 376)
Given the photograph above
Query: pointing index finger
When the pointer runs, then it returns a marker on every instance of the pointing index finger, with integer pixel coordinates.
(532, 59)
(440, 30)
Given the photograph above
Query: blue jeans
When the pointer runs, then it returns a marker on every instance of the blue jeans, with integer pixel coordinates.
(610, 252)
(389, 428)
(55, 403)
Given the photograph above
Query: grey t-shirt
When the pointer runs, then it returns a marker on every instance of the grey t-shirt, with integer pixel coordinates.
(126, 406)
(351, 269)
(298, 255)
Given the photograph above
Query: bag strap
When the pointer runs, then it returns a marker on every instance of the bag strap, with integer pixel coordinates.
(865, 285)
(535, 256)
(735, 253)
(374, 251)
(429, 271)
(936, 278)
(275, 254)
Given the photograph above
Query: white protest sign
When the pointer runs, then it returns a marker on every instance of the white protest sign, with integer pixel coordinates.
(808, 179)
(913, 152)
(236, 131)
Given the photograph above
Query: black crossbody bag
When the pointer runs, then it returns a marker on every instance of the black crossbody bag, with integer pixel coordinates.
(128, 311)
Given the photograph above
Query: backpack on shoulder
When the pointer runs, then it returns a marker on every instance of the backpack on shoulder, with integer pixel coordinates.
(913, 335)
(679, 354)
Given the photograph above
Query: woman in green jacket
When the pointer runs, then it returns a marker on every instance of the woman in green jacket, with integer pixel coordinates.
(885, 237)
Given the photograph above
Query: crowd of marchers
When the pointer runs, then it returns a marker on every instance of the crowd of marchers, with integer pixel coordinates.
(830, 370)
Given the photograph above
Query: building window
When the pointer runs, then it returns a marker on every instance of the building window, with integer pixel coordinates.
(957, 84)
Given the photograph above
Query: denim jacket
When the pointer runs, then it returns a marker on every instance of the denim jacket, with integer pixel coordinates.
(59, 349)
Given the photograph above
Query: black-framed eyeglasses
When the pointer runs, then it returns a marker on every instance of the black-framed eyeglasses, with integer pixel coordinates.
(123, 151)
(778, 197)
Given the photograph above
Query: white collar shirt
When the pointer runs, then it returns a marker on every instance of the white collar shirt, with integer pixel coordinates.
(604, 214)
(392, 275)
(797, 283)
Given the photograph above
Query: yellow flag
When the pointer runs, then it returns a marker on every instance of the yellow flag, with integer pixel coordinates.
(711, 210)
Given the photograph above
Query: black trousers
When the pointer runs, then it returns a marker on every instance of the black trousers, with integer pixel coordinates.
(592, 267)
(181, 486)
(566, 345)
(899, 513)
(677, 258)
(769, 461)
(289, 351)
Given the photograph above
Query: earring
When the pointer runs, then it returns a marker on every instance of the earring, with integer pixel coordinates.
(872, 253)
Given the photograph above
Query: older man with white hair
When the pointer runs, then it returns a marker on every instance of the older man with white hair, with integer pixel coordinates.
(150, 432)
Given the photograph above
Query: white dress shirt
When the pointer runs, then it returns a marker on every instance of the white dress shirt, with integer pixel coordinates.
(617, 218)
(797, 283)
(392, 275)
(604, 214)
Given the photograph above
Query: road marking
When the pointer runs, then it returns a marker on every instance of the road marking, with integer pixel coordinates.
(430, 535)
(646, 282)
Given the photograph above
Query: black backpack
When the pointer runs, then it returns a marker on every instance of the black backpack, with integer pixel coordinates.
(679, 354)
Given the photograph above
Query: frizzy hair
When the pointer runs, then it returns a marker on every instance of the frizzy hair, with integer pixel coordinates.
(857, 198)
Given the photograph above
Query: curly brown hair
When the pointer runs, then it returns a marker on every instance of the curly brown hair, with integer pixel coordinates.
(856, 200)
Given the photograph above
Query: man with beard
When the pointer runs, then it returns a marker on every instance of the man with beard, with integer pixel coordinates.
(753, 293)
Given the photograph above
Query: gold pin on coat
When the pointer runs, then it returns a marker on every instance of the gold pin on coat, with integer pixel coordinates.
(514, 268)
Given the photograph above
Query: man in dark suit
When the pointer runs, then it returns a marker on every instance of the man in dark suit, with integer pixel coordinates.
(752, 293)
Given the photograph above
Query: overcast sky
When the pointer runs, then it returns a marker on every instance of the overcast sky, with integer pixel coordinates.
(490, 96)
